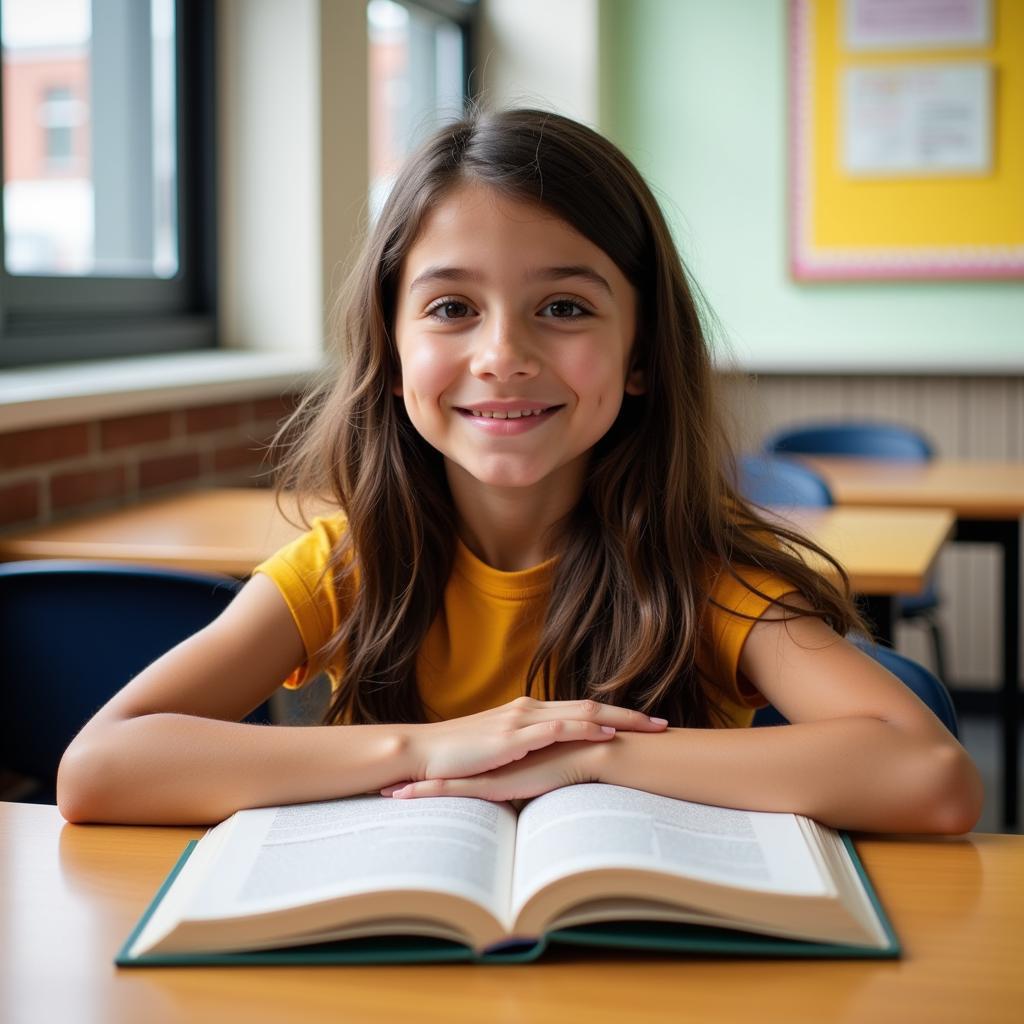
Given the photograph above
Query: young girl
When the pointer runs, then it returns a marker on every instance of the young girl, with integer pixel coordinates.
(538, 572)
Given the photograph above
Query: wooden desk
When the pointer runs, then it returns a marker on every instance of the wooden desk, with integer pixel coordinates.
(70, 894)
(222, 530)
(230, 530)
(886, 552)
(988, 499)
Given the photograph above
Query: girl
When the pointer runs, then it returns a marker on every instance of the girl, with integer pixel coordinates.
(538, 572)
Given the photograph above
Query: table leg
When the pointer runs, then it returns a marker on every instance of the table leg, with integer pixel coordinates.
(1007, 535)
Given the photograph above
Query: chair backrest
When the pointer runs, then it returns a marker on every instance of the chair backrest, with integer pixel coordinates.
(868, 439)
(928, 687)
(768, 481)
(73, 633)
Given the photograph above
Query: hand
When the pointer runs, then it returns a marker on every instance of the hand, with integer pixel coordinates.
(475, 744)
(561, 764)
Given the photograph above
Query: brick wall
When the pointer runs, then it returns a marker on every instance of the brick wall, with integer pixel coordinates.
(57, 472)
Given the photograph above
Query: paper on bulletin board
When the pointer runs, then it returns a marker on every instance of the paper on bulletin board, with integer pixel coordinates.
(917, 119)
(963, 224)
(917, 24)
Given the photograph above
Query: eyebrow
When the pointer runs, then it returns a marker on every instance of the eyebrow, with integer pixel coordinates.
(432, 275)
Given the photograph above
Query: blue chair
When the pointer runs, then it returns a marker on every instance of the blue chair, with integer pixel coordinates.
(877, 441)
(74, 633)
(928, 687)
(856, 438)
(768, 481)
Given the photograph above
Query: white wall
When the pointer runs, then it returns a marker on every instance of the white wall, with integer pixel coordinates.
(541, 53)
(293, 174)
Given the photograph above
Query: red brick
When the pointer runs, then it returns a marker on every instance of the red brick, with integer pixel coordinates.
(168, 469)
(213, 417)
(235, 456)
(44, 444)
(129, 430)
(19, 503)
(260, 434)
(274, 408)
(87, 486)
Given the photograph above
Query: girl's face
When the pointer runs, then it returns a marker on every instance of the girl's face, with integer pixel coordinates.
(504, 308)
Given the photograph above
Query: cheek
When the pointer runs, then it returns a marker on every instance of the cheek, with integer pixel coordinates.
(596, 378)
(427, 369)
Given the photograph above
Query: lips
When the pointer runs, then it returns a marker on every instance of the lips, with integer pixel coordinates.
(506, 422)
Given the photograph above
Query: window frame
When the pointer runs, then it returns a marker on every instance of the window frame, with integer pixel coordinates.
(466, 17)
(58, 318)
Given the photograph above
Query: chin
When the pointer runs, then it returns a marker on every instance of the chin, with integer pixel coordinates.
(507, 476)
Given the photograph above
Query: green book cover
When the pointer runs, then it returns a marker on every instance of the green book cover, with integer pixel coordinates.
(651, 936)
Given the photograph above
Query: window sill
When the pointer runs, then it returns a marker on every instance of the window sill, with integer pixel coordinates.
(71, 392)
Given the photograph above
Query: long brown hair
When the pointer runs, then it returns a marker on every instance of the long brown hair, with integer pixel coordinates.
(660, 515)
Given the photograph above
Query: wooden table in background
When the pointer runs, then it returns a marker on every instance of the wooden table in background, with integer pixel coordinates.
(230, 530)
(223, 530)
(70, 894)
(988, 500)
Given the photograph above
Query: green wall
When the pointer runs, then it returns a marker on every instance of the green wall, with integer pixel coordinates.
(695, 92)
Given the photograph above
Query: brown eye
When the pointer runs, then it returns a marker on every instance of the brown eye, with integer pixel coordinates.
(565, 309)
(449, 310)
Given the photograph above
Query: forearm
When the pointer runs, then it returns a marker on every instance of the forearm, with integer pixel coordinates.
(180, 769)
(861, 773)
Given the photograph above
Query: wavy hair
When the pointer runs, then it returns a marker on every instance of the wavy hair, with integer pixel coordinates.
(660, 515)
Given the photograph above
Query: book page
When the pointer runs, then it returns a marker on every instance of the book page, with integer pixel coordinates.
(286, 856)
(578, 828)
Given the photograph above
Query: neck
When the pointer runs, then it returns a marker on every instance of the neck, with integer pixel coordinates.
(512, 528)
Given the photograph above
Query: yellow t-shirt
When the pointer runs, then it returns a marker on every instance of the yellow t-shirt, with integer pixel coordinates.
(477, 651)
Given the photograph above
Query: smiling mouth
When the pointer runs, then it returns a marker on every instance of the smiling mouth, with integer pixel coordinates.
(509, 414)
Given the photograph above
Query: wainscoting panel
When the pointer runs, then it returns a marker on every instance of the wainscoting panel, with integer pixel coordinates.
(965, 418)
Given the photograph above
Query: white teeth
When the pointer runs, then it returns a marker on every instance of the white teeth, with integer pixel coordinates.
(511, 414)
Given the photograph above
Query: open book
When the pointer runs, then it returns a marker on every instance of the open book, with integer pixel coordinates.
(373, 878)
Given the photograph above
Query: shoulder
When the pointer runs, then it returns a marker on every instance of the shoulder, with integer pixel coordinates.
(304, 574)
(305, 568)
(744, 590)
(736, 599)
(312, 549)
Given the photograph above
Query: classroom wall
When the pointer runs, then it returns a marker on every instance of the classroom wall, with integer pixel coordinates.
(695, 93)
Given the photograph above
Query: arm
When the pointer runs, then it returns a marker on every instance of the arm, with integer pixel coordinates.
(862, 753)
(169, 748)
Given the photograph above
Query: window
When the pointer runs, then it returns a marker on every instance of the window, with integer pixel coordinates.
(107, 236)
(419, 66)
(59, 116)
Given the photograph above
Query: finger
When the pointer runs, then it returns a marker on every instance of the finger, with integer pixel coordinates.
(388, 790)
(438, 787)
(595, 711)
(558, 730)
(482, 787)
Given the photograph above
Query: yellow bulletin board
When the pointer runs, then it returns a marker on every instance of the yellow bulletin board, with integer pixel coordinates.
(946, 225)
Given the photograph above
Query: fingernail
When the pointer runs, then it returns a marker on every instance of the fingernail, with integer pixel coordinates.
(607, 728)
(660, 721)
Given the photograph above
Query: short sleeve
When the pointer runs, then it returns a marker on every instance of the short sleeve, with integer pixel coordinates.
(733, 610)
(301, 571)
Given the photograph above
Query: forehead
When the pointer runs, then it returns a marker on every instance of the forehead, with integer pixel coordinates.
(479, 228)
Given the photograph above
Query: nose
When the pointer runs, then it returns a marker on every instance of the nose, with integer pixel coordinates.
(502, 351)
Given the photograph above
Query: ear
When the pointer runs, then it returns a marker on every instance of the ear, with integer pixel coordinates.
(635, 383)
